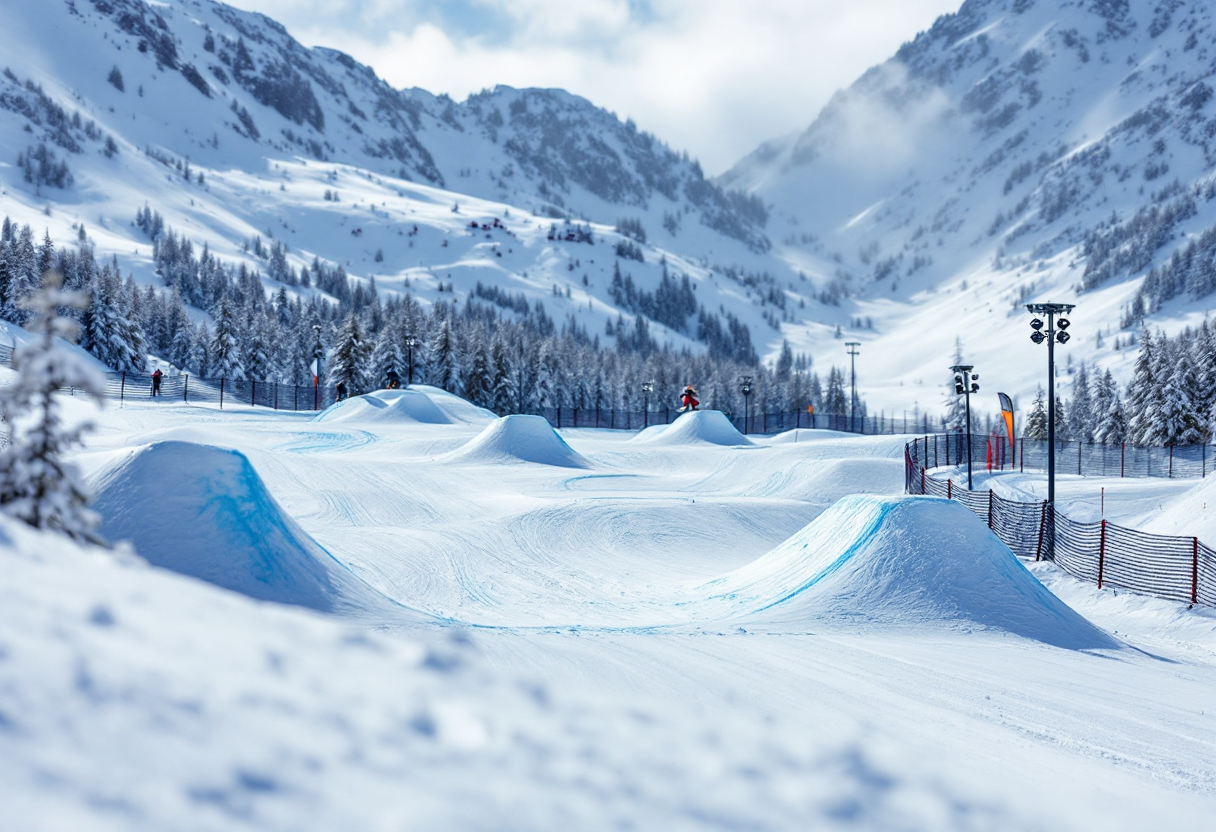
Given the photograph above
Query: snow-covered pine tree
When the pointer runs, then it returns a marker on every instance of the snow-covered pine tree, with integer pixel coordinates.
(500, 375)
(1181, 423)
(37, 485)
(1036, 422)
(1112, 426)
(1063, 434)
(445, 359)
(224, 353)
(1142, 390)
(350, 357)
(837, 398)
(387, 356)
(1081, 410)
(477, 378)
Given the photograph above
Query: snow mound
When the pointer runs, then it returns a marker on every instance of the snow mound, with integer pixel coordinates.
(520, 439)
(203, 511)
(921, 562)
(704, 427)
(409, 405)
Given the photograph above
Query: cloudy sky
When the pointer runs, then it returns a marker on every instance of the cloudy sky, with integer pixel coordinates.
(713, 77)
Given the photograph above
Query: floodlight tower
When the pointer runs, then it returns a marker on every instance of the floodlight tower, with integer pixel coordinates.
(965, 385)
(1057, 331)
(746, 387)
(647, 389)
(853, 353)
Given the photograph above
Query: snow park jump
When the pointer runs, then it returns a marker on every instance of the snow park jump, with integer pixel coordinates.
(311, 560)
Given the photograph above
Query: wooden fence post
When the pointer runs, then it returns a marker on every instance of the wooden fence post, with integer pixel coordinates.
(186, 390)
(990, 508)
(1101, 554)
(122, 387)
(949, 489)
(1122, 459)
(1038, 552)
(1194, 570)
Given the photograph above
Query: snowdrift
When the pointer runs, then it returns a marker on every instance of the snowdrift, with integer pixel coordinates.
(519, 439)
(419, 404)
(203, 511)
(700, 427)
(917, 562)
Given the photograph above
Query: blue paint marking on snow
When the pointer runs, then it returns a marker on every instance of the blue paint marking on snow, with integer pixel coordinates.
(326, 441)
(858, 542)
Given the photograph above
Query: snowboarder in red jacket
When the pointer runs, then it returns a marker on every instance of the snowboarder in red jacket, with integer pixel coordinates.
(688, 401)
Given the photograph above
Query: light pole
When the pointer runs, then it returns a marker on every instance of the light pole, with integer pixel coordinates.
(746, 387)
(410, 343)
(1051, 337)
(853, 353)
(318, 353)
(964, 385)
(647, 389)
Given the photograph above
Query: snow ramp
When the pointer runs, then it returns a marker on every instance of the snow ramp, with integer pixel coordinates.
(513, 439)
(898, 562)
(700, 427)
(410, 406)
(203, 511)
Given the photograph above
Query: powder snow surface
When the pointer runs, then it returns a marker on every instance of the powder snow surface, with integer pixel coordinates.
(680, 637)
(700, 426)
(520, 439)
(204, 512)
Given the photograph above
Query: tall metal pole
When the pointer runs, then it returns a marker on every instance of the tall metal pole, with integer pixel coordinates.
(410, 343)
(1051, 310)
(1051, 409)
(965, 383)
(853, 345)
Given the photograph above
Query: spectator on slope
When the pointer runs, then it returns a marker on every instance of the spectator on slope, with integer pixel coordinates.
(340, 391)
(392, 380)
(688, 401)
(157, 375)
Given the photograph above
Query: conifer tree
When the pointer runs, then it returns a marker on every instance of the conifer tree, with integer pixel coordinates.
(1080, 410)
(224, 354)
(387, 356)
(1036, 422)
(350, 357)
(36, 484)
(1180, 420)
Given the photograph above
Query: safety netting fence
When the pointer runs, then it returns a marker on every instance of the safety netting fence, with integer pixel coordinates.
(1167, 566)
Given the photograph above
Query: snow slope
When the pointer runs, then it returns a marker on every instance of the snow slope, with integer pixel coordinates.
(577, 673)
(203, 511)
(519, 439)
(699, 426)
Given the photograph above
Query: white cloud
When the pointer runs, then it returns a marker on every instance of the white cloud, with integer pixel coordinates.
(714, 77)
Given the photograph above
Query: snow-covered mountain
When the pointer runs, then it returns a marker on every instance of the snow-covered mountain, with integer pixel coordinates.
(1018, 150)
(242, 140)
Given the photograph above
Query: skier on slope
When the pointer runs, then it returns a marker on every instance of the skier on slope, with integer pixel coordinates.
(688, 401)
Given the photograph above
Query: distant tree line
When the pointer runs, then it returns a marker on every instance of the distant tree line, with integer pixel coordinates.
(1170, 400)
(493, 349)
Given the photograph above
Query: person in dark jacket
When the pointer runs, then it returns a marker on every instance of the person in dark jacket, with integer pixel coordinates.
(340, 391)
(157, 375)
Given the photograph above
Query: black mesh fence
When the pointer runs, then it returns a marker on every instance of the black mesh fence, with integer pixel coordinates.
(1177, 568)
(131, 387)
(1082, 458)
